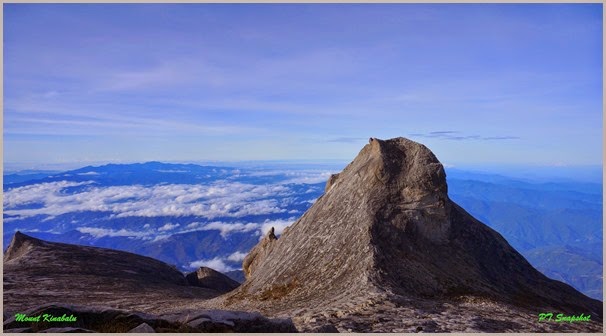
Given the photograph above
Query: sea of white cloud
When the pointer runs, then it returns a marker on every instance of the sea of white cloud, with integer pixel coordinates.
(219, 199)
(161, 211)
(210, 204)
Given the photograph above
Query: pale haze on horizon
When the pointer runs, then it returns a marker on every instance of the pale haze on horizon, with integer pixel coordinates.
(479, 84)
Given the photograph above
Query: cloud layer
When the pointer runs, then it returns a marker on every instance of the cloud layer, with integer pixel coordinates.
(101, 232)
(220, 199)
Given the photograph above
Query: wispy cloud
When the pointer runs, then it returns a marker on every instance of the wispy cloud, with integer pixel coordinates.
(278, 225)
(227, 228)
(34, 117)
(168, 227)
(101, 232)
(237, 256)
(458, 136)
(89, 173)
(222, 264)
(298, 176)
(207, 77)
(218, 264)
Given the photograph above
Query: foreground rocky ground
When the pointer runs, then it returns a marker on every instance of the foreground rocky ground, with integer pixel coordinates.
(389, 313)
(432, 316)
(110, 299)
(104, 319)
(113, 291)
(377, 314)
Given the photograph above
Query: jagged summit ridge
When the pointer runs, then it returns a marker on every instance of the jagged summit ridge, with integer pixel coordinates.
(386, 224)
(398, 172)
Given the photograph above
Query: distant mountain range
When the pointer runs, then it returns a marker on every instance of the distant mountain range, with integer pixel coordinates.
(190, 215)
(556, 226)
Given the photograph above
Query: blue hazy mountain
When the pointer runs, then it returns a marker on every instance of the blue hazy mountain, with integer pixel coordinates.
(27, 175)
(557, 226)
(191, 215)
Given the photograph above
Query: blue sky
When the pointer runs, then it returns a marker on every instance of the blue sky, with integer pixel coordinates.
(476, 83)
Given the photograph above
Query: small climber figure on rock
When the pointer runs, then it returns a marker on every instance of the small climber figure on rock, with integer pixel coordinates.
(272, 236)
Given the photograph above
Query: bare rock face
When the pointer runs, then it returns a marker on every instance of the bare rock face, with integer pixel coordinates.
(20, 245)
(209, 278)
(114, 291)
(258, 253)
(331, 181)
(386, 226)
(37, 272)
(28, 252)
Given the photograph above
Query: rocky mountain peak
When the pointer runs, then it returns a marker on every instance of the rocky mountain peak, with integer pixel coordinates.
(408, 164)
(20, 245)
(385, 225)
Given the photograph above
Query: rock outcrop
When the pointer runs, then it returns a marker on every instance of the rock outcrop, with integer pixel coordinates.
(385, 227)
(209, 278)
(114, 291)
(37, 272)
(35, 254)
